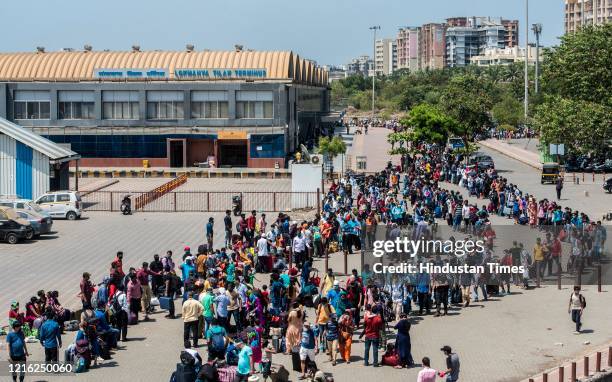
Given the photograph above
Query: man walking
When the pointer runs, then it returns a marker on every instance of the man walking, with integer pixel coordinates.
(209, 232)
(559, 187)
(452, 365)
(192, 310)
(227, 222)
(143, 278)
(577, 303)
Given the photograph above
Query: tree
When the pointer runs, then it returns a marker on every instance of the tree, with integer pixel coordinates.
(508, 111)
(584, 127)
(581, 66)
(331, 148)
(467, 99)
(430, 125)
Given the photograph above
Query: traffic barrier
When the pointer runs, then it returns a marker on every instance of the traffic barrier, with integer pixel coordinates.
(586, 366)
(561, 373)
(158, 192)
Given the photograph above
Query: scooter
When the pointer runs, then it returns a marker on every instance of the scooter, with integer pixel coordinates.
(237, 205)
(126, 205)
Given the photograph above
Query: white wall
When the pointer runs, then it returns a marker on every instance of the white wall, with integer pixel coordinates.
(8, 151)
(305, 177)
(40, 174)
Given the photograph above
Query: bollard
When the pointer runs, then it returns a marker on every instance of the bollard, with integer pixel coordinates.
(346, 262)
(561, 372)
(538, 276)
(593, 176)
(559, 279)
(574, 177)
(609, 355)
(545, 377)
(598, 362)
(586, 366)
(573, 376)
(583, 177)
(599, 277)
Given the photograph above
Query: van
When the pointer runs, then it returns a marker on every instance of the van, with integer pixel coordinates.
(61, 204)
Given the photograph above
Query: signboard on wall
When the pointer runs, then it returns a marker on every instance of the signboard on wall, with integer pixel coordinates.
(231, 134)
(212, 74)
(129, 73)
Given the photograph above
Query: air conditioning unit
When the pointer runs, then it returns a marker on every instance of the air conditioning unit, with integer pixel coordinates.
(316, 159)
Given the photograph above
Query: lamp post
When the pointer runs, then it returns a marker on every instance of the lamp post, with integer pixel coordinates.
(526, 106)
(537, 30)
(374, 28)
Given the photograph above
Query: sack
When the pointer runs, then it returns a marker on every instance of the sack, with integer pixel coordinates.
(132, 320)
(154, 301)
(217, 342)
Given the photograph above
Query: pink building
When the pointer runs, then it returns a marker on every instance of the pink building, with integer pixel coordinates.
(408, 48)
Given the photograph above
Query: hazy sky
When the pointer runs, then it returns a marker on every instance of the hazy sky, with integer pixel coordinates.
(328, 31)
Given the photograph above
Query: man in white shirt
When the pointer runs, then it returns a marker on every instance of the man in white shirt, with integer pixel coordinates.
(263, 255)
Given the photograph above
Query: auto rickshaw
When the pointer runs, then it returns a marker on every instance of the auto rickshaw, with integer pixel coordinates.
(550, 173)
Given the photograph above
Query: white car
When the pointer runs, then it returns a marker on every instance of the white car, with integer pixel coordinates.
(61, 204)
(22, 204)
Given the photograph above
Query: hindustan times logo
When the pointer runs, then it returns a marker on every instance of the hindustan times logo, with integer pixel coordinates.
(413, 247)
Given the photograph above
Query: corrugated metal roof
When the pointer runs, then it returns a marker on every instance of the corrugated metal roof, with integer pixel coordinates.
(51, 149)
(80, 65)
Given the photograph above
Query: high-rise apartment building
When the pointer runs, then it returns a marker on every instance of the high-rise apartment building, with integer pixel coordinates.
(472, 38)
(386, 56)
(431, 46)
(362, 65)
(596, 12)
(408, 48)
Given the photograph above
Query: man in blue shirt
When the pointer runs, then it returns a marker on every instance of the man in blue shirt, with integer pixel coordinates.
(333, 296)
(222, 301)
(307, 347)
(209, 232)
(109, 333)
(245, 362)
(423, 280)
(17, 349)
(50, 337)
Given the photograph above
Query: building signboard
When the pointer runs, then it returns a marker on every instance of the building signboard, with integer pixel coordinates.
(129, 73)
(212, 74)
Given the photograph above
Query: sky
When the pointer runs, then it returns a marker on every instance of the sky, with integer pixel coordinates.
(328, 31)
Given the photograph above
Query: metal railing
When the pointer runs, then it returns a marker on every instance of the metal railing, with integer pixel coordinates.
(201, 201)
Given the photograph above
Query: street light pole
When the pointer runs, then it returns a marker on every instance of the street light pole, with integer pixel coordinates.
(537, 30)
(374, 28)
(526, 106)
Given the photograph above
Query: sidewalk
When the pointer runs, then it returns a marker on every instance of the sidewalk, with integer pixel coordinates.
(527, 157)
(564, 371)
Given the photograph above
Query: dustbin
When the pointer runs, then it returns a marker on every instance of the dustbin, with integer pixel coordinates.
(145, 163)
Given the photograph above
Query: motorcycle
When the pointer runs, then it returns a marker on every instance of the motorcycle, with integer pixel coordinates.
(126, 205)
(237, 205)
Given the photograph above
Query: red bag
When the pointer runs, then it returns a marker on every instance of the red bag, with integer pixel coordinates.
(390, 359)
(562, 234)
(316, 280)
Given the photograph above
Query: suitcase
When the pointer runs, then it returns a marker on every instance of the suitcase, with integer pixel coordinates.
(295, 361)
(164, 303)
(281, 375)
(185, 373)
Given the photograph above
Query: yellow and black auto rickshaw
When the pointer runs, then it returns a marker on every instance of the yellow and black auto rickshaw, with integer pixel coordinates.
(550, 173)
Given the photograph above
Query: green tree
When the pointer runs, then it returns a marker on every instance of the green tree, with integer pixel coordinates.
(331, 147)
(581, 66)
(508, 111)
(429, 125)
(467, 99)
(583, 126)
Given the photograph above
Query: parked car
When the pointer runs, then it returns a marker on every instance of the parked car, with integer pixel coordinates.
(12, 227)
(61, 204)
(482, 161)
(22, 204)
(608, 185)
(40, 224)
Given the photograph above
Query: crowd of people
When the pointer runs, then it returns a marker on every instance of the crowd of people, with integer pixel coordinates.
(240, 320)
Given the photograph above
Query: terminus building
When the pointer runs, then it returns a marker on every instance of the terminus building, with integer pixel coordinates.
(179, 109)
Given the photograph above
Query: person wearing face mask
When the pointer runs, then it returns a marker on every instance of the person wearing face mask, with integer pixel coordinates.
(17, 349)
(333, 296)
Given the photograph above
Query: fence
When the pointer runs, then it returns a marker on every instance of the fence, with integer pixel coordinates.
(199, 201)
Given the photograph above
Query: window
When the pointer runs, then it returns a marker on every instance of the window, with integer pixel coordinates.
(46, 199)
(254, 104)
(120, 105)
(20, 206)
(209, 104)
(30, 104)
(63, 198)
(165, 105)
(75, 105)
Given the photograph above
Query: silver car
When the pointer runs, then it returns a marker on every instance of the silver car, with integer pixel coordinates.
(40, 224)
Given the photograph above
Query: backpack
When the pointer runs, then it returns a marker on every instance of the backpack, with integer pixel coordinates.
(217, 342)
(80, 365)
(115, 306)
